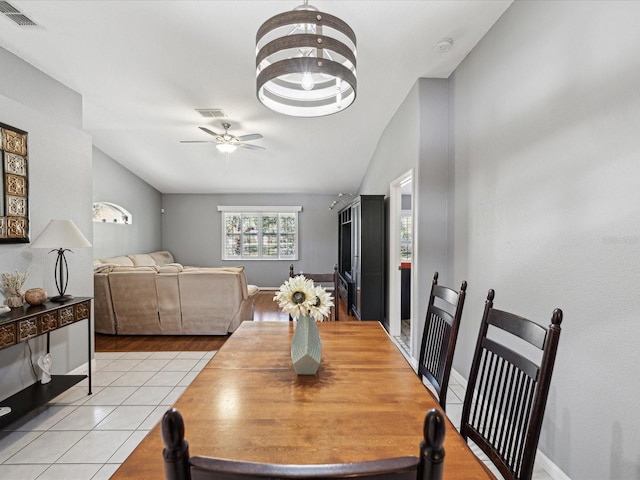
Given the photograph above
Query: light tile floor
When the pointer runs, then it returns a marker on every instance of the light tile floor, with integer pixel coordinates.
(81, 437)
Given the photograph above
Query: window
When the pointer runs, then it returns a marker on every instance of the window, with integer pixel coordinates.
(406, 237)
(106, 212)
(260, 233)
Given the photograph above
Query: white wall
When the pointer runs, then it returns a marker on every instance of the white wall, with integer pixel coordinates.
(546, 116)
(59, 164)
(115, 184)
(192, 231)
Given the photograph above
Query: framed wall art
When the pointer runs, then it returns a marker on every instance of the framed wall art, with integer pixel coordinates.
(14, 214)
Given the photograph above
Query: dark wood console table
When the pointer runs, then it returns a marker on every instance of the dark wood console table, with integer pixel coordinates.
(28, 321)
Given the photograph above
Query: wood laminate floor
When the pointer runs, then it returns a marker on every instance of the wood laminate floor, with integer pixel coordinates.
(265, 309)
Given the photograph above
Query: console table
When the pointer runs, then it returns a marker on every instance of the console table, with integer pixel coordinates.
(28, 321)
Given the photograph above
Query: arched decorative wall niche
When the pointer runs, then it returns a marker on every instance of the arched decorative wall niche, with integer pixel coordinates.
(106, 212)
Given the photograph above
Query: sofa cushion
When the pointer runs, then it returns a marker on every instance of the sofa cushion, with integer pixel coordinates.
(122, 260)
(135, 301)
(170, 268)
(132, 269)
(162, 257)
(237, 269)
(142, 260)
(252, 290)
(204, 312)
(102, 267)
(230, 270)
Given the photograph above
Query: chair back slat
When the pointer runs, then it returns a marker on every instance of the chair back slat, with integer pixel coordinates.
(436, 339)
(320, 277)
(512, 357)
(442, 315)
(445, 293)
(521, 327)
(439, 336)
(507, 391)
(180, 466)
(400, 468)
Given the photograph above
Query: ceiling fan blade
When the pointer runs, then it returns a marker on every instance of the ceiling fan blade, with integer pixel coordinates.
(197, 141)
(250, 136)
(252, 147)
(210, 132)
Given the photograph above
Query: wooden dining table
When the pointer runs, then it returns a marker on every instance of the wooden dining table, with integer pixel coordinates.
(364, 403)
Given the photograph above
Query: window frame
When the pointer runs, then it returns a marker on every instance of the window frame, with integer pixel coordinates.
(259, 212)
(406, 242)
(118, 214)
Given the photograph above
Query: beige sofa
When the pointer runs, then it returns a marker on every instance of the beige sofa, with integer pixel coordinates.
(150, 294)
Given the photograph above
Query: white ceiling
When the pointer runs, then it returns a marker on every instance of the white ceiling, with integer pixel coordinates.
(143, 67)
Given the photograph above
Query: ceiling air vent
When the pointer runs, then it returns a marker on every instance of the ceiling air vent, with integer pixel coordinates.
(211, 112)
(15, 15)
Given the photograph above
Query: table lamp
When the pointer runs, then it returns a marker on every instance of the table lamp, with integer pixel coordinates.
(60, 236)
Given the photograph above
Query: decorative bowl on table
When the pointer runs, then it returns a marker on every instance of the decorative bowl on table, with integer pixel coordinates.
(35, 296)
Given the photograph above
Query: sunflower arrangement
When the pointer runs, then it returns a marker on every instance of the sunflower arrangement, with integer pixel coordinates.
(299, 296)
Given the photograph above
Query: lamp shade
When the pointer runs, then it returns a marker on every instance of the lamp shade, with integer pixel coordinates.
(60, 234)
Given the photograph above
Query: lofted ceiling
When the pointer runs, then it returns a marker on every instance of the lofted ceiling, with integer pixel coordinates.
(144, 67)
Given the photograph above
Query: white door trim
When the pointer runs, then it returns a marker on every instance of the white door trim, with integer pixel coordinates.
(395, 206)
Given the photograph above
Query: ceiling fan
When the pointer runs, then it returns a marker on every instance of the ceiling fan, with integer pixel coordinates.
(227, 143)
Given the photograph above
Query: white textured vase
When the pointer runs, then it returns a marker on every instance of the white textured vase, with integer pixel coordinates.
(44, 362)
(306, 347)
(15, 301)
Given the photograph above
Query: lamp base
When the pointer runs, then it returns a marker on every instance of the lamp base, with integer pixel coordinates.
(61, 298)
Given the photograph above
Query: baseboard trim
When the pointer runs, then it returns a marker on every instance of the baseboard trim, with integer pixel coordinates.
(458, 378)
(82, 369)
(542, 460)
(551, 468)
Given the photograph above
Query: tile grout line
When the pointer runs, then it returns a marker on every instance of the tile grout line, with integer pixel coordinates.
(188, 367)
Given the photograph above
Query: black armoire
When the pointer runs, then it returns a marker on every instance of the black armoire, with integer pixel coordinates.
(361, 234)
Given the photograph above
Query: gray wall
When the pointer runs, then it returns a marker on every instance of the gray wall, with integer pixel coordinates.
(115, 184)
(192, 231)
(398, 149)
(417, 138)
(34, 89)
(546, 112)
(59, 188)
(431, 198)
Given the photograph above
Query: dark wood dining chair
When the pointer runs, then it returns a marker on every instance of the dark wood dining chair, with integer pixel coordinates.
(507, 389)
(323, 278)
(180, 466)
(440, 335)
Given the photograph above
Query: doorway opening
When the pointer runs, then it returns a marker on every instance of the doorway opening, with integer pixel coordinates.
(401, 258)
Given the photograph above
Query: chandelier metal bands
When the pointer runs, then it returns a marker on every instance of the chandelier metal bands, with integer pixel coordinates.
(306, 64)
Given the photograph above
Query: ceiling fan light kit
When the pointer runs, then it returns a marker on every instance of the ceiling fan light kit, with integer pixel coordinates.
(226, 147)
(306, 63)
(227, 143)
